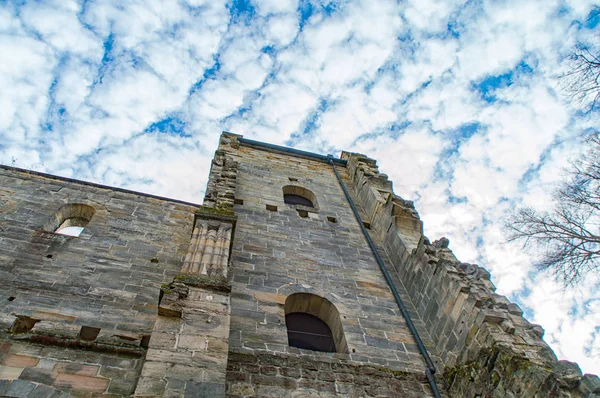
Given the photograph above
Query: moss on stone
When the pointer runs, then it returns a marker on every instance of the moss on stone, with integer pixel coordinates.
(512, 363)
(166, 288)
(468, 370)
(492, 367)
(221, 210)
(212, 282)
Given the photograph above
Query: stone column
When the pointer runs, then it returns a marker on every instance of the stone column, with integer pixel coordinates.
(187, 353)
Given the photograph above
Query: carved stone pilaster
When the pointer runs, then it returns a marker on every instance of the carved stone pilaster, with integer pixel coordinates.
(208, 253)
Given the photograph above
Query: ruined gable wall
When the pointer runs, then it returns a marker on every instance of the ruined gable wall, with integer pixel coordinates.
(108, 278)
(278, 253)
(487, 347)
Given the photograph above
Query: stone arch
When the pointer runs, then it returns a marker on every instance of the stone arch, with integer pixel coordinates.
(321, 308)
(70, 215)
(293, 192)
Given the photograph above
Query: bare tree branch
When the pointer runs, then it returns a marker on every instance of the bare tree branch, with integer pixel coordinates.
(581, 81)
(566, 238)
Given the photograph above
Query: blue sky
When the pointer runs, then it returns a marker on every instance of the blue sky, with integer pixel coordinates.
(458, 101)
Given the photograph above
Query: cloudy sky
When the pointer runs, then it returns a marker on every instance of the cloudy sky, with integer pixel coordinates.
(458, 100)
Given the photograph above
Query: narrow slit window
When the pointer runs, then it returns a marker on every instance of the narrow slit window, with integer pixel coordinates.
(271, 208)
(88, 333)
(145, 341)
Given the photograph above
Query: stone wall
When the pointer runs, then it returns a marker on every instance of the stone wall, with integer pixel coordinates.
(487, 347)
(164, 298)
(313, 375)
(187, 354)
(42, 369)
(281, 249)
(77, 312)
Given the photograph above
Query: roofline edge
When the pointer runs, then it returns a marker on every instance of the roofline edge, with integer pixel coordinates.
(96, 185)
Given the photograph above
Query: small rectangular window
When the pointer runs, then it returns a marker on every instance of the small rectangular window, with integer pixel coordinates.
(367, 225)
(303, 213)
(238, 201)
(145, 341)
(88, 333)
(332, 220)
(292, 179)
(271, 208)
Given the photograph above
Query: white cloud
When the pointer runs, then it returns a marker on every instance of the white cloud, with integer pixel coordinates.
(25, 75)
(409, 160)
(282, 29)
(58, 26)
(283, 120)
(430, 15)
(570, 319)
(266, 7)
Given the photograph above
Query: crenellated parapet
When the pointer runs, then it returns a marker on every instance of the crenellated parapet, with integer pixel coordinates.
(376, 195)
(487, 347)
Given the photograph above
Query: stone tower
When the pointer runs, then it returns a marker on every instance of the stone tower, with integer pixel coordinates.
(301, 275)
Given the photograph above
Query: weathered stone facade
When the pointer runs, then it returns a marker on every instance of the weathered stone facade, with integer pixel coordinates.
(77, 312)
(164, 298)
(487, 348)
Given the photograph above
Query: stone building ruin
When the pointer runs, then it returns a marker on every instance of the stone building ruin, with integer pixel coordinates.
(300, 275)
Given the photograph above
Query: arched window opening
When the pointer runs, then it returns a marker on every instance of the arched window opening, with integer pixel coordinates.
(313, 323)
(309, 332)
(70, 219)
(292, 199)
(295, 195)
(72, 226)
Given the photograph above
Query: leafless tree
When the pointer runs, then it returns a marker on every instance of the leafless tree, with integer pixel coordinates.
(567, 237)
(581, 80)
